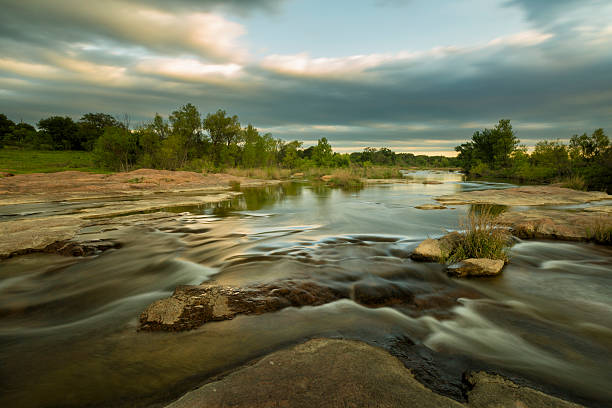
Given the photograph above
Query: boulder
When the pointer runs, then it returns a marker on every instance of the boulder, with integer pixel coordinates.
(431, 250)
(296, 175)
(192, 306)
(326, 178)
(427, 251)
(476, 267)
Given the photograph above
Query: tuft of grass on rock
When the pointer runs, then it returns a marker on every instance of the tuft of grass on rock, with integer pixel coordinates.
(574, 182)
(483, 237)
(345, 178)
(600, 231)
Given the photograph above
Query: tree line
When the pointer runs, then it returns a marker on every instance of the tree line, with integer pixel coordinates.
(497, 152)
(191, 141)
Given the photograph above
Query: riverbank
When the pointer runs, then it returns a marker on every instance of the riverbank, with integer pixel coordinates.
(118, 194)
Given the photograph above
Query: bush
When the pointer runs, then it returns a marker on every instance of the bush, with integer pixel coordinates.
(345, 178)
(483, 237)
(600, 231)
(573, 182)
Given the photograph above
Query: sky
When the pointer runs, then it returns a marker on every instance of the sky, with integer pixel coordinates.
(416, 76)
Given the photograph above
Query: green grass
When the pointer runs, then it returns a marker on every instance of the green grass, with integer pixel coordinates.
(574, 182)
(483, 238)
(42, 161)
(600, 231)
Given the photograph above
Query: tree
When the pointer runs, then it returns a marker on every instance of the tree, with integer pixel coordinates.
(186, 134)
(289, 156)
(116, 149)
(223, 131)
(61, 131)
(322, 153)
(492, 147)
(552, 155)
(92, 126)
(589, 147)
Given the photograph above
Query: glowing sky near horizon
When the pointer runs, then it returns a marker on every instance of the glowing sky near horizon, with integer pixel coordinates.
(412, 75)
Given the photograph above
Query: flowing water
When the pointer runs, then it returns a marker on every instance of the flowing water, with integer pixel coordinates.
(68, 325)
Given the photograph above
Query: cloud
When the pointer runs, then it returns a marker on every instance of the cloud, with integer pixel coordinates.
(121, 23)
(68, 57)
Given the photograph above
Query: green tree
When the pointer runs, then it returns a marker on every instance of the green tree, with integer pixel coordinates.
(185, 140)
(223, 131)
(289, 155)
(92, 126)
(61, 131)
(322, 153)
(116, 149)
(552, 155)
(589, 147)
(491, 147)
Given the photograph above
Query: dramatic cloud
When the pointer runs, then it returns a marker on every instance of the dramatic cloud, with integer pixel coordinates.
(551, 76)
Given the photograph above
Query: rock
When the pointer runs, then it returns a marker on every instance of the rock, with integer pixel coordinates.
(319, 373)
(348, 373)
(297, 175)
(529, 195)
(489, 390)
(5, 174)
(431, 250)
(431, 207)
(432, 182)
(427, 251)
(476, 267)
(192, 306)
(557, 224)
(326, 178)
(377, 294)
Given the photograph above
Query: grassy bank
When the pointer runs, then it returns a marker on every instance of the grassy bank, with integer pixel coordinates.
(42, 161)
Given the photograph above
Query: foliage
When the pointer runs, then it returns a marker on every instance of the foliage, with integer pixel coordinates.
(223, 130)
(600, 231)
(493, 147)
(345, 178)
(573, 182)
(483, 237)
(116, 149)
(322, 154)
(62, 132)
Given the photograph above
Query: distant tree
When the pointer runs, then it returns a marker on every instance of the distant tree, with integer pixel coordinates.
(223, 131)
(92, 126)
(61, 131)
(116, 149)
(289, 155)
(184, 141)
(491, 147)
(322, 153)
(6, 126)
(552, 155)
(589, 147)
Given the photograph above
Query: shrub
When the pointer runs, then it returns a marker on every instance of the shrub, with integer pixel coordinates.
(345, 178)
(600, 231)
(483, 237)
(574, 182)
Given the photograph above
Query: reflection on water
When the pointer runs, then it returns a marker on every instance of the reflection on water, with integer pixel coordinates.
(68, 325)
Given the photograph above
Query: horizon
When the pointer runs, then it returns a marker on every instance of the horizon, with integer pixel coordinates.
(419, 79)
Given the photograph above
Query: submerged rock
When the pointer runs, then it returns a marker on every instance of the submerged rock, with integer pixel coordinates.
(192, 306)
(476, 267)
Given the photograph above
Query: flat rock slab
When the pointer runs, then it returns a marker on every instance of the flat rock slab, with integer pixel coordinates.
(344, 373)
(431, 207)
(36, 234)
(476, 267)
(190, 307)
(558, 224)
(529, 195)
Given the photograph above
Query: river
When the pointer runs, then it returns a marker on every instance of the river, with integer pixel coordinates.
(68, 326)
